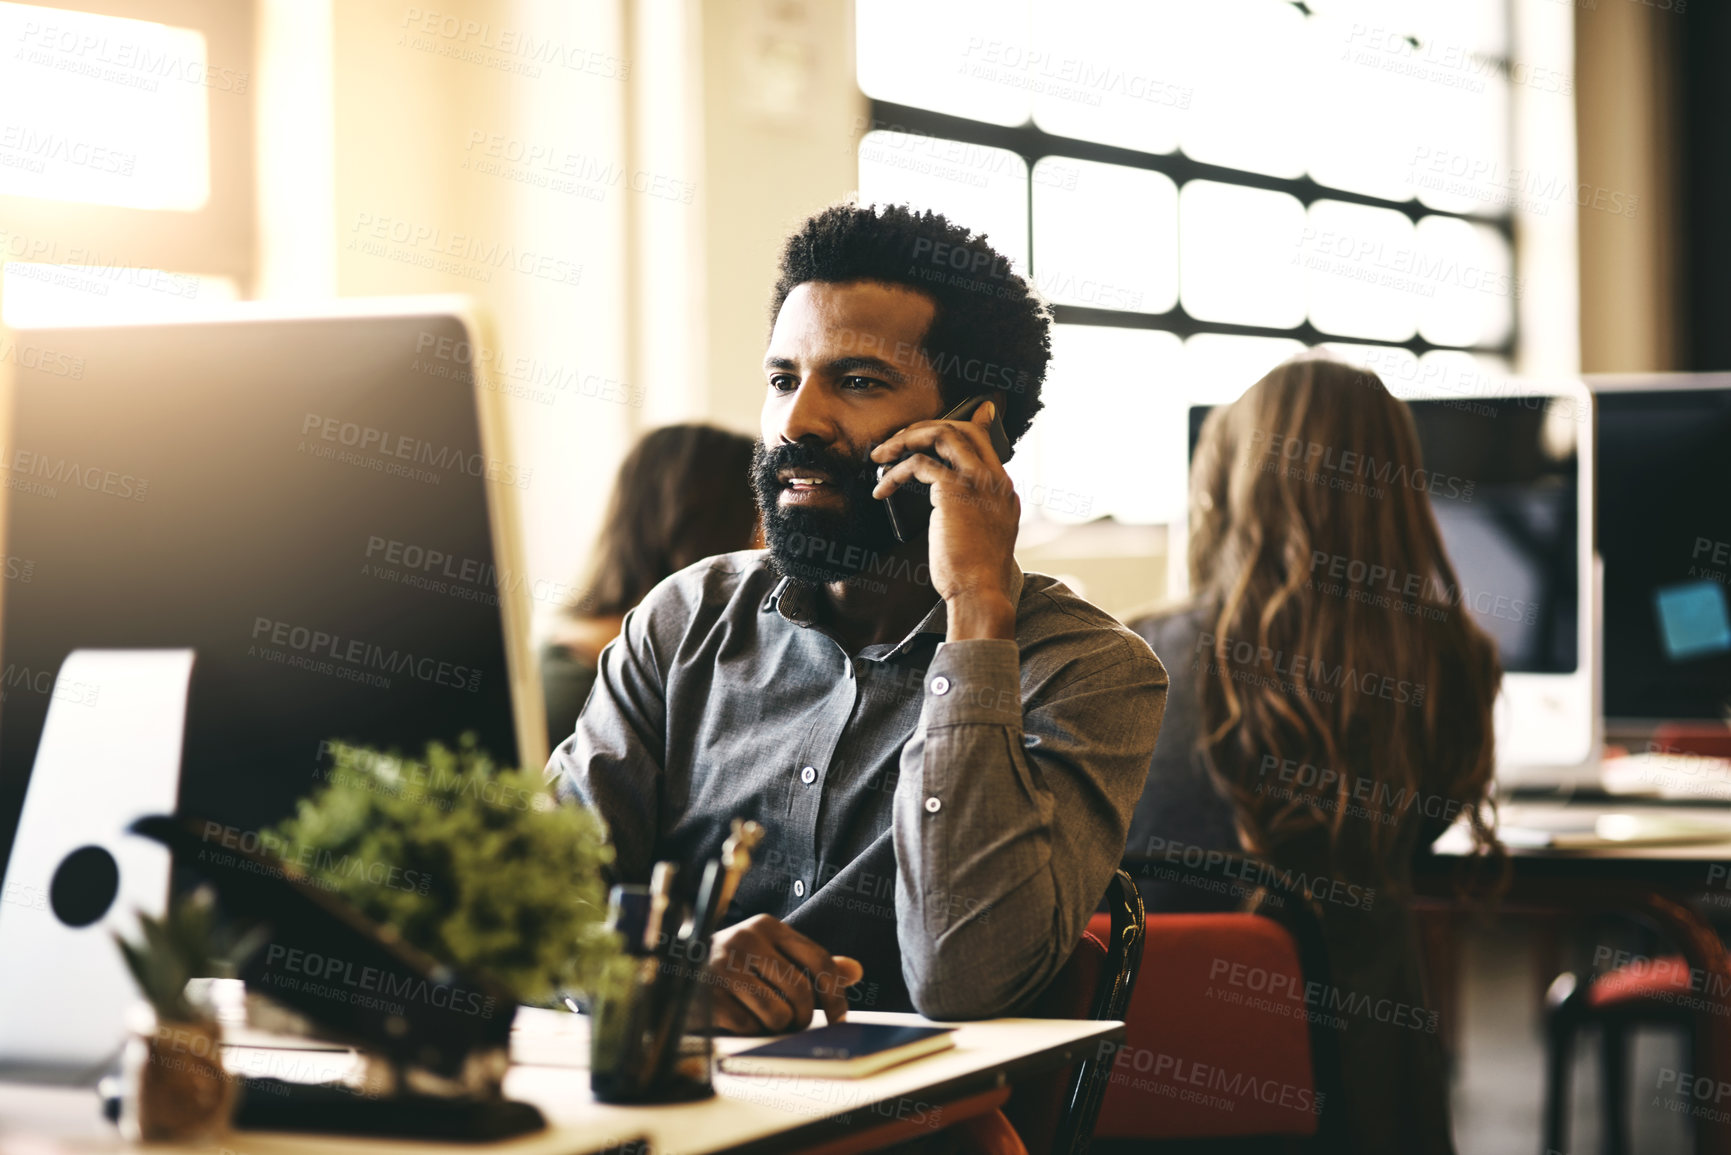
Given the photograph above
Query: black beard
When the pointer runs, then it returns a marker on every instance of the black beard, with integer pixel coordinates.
(820, 546)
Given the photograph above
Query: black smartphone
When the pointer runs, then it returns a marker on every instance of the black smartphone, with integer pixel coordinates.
(962, 412)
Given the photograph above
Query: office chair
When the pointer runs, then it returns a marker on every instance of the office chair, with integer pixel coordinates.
(1616, 1003)
(1058, 1114)
(1172, 1016)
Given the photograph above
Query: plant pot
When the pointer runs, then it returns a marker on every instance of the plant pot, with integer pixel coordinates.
(176, 1088)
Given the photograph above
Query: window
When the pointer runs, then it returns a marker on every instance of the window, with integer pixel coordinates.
(1201, 190)
(125, 158)
(103, 110)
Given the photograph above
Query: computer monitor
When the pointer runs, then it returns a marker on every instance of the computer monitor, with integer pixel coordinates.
(321, 506)
(1508, 465)
(1664, 495)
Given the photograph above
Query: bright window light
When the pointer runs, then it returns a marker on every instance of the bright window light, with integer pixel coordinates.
(43, 296)
(1219, 367)
(1112, 71)
(1105, 236)
(1390, 363)
(1362, 272)
(1105, 391)
(1403, 100)
(1251, 77)
(983, 188)
(105, 110)
(1403, 92)
(968, 58)
(1457, 371)
(1366, 122)
(1238, 254)
(1472, 270)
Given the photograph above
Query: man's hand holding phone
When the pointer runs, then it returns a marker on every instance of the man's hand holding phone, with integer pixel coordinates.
(769, 978)
(975, 512)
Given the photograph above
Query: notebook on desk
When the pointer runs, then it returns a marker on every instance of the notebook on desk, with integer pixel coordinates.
(840, 1051)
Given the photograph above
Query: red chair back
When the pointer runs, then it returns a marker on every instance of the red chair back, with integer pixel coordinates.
(1218, 1040)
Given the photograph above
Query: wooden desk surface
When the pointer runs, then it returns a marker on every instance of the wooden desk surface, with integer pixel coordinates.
(551, 1053)
(1680, 865)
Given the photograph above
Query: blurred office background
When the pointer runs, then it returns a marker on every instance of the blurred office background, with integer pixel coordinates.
(1448, 190)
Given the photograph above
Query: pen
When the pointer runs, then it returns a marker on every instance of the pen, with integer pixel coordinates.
(721, 878)
(660, 895)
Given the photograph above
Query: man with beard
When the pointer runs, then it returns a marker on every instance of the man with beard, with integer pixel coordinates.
(944, 750)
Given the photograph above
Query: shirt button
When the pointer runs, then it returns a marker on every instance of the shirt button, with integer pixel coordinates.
(808, 775)
(933, 806)
(799, 888)
(940, 685)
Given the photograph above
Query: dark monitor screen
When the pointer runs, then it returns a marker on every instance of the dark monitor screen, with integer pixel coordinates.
(1501, 475)
(1664, 493)
(303, 502)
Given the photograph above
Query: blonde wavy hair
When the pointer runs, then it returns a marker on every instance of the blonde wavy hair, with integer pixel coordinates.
(1387, 696)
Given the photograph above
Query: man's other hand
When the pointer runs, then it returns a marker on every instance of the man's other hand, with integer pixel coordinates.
(768, 978)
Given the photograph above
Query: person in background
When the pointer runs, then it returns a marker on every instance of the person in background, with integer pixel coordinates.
(1329, 727)
(683, 493)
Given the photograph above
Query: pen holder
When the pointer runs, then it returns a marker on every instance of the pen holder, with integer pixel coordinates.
(649, 1032)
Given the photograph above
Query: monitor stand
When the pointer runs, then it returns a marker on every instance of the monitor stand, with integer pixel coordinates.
(110, 752)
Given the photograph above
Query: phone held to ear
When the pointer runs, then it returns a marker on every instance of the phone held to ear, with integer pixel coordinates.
(962, 412)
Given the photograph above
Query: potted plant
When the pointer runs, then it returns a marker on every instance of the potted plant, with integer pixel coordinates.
(176, 1088)
(472, 862)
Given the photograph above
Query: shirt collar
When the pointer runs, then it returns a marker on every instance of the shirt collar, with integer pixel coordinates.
(789, 600)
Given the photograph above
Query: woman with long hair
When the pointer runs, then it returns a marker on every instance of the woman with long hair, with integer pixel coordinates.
(1330, 703)
(683, 493)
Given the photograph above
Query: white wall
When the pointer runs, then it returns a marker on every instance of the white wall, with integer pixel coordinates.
(668, 152)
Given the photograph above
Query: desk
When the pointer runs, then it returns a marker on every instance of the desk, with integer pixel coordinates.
(1680, 864)
(749, 1114)
(1653, 883)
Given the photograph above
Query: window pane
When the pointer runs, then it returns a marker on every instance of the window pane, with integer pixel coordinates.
(1112, 71)
(1107, 391)
(985, 189)
(44, 295)
(1218, 367)
(1448, 371)
(105, 110)
(1236, 254)
(1249, 110)
(1105, 236)
(1360, 266)
(1479, 26)
(1405, 94)
(965, 57)
(1366, 120)
(1463, 163)
(1391, 364)
(1471, 268)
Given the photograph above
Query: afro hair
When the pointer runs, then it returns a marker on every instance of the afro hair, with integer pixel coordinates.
(990, 334)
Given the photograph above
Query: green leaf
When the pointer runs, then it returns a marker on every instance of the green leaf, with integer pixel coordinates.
(471, 862)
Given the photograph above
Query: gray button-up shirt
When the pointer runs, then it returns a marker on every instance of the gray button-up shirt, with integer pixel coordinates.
(947, 813)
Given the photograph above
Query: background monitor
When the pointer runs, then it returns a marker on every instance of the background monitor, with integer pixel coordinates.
(320, 506)
(1510, 479)
(1664, 521)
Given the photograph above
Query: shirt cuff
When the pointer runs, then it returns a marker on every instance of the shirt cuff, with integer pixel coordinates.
(976, 681)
